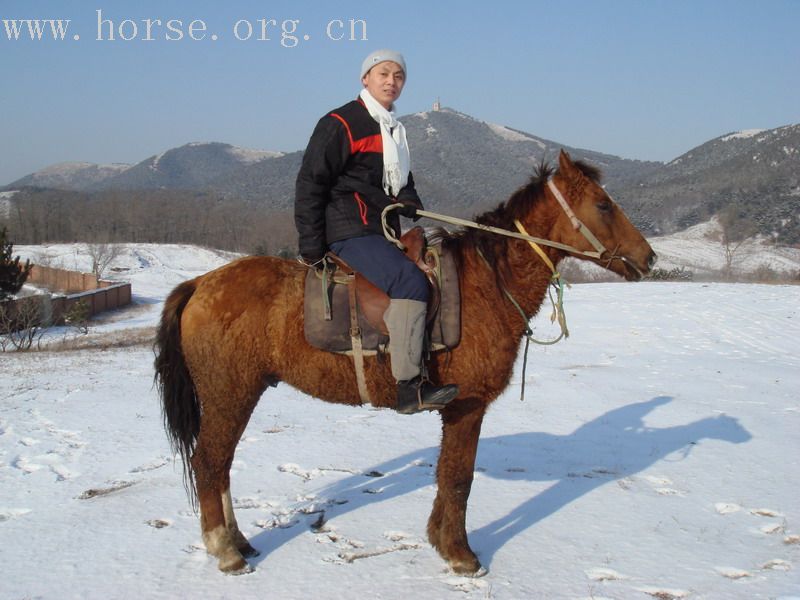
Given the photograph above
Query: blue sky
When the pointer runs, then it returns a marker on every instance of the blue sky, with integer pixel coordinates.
(638, 78)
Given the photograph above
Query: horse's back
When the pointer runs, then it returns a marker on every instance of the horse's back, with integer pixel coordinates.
(239, 302)
(260, 279)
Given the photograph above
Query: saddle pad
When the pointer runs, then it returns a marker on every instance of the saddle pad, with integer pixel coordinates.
(334, 335)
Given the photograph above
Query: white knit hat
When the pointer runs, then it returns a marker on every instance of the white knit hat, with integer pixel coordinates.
(380, 56)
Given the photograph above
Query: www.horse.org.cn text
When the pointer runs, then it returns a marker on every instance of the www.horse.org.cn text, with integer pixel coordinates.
(288, 33)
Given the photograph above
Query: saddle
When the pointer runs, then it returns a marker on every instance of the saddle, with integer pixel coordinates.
(343, 310)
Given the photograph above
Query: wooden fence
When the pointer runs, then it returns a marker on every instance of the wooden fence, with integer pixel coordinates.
(66, 282)
(113, 295)
(68, 288)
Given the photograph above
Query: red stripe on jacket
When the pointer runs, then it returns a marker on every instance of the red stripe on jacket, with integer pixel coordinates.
(371, 143)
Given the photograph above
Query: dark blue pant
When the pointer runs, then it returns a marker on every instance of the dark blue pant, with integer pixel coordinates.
(385, 265)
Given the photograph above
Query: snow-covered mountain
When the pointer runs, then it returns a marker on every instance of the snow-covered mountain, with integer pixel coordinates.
(191, 166)
(71, 175)
(757, 171)
(464, 164)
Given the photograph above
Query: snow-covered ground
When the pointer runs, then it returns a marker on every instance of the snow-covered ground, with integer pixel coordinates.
(650, 459)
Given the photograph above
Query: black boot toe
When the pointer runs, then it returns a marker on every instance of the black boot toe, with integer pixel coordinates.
(417, 395)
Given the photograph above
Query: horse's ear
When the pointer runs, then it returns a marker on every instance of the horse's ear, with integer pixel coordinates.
(565, 165)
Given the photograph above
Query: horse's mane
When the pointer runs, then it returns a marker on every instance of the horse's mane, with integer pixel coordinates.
(518, 206)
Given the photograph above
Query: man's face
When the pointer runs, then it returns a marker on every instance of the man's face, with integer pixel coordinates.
(384, 82)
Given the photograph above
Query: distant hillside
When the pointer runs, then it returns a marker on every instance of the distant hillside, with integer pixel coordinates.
(269, 182)
(465, 165)
(70, 176)
(192, 166)
(757, 171)
(459, 163)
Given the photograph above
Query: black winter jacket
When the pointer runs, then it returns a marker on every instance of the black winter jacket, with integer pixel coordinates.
(339, 190)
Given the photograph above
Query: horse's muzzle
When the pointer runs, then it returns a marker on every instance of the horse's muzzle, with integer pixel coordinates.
(637, 272)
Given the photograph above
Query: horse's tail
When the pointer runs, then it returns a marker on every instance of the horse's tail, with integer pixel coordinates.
(180, 407)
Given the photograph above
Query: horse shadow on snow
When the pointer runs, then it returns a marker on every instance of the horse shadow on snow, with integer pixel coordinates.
(611, 447)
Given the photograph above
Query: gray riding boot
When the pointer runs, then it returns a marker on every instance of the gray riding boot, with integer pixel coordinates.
(405, 320)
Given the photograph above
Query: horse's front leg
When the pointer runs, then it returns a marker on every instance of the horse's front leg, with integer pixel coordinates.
(447, 524)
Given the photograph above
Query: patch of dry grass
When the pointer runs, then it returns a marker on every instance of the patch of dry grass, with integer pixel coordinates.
(124, 338)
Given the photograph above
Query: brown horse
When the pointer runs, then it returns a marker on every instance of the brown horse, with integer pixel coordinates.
(226, 336)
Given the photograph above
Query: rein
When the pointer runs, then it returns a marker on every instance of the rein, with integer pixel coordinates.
(598, 252)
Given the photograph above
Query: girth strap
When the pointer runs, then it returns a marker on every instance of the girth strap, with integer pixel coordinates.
(355, 339)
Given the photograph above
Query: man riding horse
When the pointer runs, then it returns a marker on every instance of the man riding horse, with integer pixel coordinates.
(356, 164)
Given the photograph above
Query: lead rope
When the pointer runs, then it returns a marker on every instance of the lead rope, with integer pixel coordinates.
(557, 282)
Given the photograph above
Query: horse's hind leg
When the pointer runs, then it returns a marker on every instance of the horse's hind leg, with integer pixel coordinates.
(211, 462)
(461, 427)
(239, 540)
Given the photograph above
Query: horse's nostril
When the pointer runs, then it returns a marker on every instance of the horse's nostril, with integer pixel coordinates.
(652, 261)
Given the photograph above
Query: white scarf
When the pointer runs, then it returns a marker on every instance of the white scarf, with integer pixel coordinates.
(396, 158)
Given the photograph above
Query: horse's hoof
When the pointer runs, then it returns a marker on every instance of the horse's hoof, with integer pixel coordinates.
(469, 567)
(244, 570)
(232, 563)
(478, 574)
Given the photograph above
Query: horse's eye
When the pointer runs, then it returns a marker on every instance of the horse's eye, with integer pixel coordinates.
(604, 206)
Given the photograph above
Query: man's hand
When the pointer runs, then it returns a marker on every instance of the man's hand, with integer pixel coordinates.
(409, 210)
(315, 262)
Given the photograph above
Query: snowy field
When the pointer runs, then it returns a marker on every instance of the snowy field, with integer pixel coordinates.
(650, 459)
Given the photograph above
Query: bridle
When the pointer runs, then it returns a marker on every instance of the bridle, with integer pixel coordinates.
(578, 225)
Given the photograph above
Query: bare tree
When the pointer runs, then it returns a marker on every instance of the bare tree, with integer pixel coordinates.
(102, 256)
(21, 324)
(735, 230)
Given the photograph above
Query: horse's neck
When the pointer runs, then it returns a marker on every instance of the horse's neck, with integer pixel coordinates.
(525, 279)
(528, 276)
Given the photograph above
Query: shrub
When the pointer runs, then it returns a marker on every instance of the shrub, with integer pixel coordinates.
(12, 273)
(78, 316)
(676, 274)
